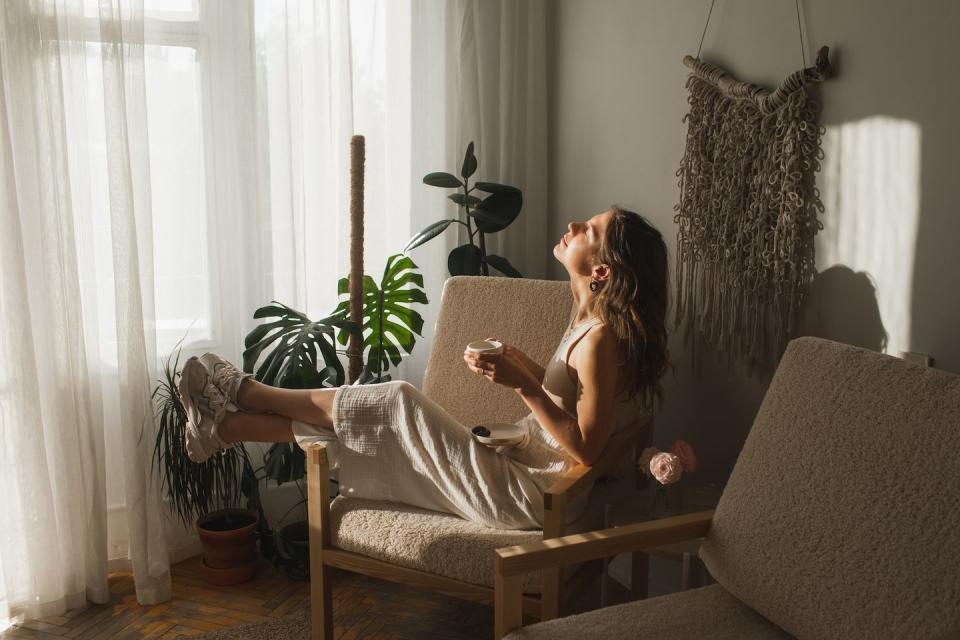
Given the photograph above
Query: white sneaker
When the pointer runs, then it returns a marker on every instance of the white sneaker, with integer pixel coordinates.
(225, 376)
(205, 406)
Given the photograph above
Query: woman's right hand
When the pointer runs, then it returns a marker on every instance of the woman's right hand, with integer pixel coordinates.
(473, 360)
(475, 364)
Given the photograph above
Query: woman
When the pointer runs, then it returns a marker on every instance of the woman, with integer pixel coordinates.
(392, 443)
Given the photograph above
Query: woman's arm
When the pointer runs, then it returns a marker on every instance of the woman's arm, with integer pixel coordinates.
(583, 439)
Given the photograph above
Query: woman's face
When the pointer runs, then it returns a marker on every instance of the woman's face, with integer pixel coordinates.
(578, 247)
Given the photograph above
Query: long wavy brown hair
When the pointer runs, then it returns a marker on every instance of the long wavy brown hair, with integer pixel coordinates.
(634, 301)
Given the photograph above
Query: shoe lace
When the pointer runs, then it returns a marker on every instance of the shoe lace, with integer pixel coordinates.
(223, 374)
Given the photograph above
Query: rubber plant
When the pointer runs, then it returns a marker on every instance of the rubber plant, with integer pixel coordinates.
(491, 214)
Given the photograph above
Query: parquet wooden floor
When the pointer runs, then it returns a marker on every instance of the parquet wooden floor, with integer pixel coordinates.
(364, 609)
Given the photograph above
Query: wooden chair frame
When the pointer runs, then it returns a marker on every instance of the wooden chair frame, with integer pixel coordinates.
(512, 562)
(324, 556)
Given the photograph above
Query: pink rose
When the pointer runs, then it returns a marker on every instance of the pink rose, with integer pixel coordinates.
(644, 463)
(666, 468)
(688, 459)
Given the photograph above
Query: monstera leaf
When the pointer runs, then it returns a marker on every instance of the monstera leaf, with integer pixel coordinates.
(389, 324)
(303, 353)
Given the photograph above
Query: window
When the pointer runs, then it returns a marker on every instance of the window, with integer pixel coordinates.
(183, 266)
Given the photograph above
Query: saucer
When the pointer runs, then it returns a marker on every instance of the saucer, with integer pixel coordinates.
(502, 434)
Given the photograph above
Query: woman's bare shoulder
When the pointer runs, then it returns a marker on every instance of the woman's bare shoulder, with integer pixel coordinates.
(597, 347)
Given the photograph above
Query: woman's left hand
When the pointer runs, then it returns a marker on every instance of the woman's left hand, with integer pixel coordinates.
(506, 368)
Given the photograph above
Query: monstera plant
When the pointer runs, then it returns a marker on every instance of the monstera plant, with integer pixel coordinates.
(300, 353)
(490, 214)
(387, 316)
(295, 352)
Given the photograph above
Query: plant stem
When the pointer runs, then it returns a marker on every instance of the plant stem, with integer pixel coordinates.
(466, 204)
(484, 268)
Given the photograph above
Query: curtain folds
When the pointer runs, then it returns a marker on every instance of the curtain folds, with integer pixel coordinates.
(164, 173)
(502, 106)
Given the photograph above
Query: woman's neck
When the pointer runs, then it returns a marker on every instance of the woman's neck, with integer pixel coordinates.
(582, 316)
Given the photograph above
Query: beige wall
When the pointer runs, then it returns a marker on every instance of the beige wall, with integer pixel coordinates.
(890, 182)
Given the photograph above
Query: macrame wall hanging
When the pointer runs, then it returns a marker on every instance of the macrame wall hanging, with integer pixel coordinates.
(748, 208)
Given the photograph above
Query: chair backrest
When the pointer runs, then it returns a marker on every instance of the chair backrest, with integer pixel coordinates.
(530, 314)
(841, 518)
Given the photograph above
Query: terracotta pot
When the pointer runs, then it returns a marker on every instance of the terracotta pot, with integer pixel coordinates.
(228, 539)
(226, 577)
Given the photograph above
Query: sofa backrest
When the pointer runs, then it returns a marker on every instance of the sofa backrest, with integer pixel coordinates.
(530, 314)
(841, 518)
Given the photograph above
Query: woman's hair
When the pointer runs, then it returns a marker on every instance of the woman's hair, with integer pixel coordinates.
(634, 301)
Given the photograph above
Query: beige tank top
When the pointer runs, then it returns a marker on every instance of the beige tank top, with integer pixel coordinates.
(564, 391)
(541, 453)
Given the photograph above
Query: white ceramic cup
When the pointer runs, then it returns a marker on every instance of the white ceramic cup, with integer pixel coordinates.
(485, 346)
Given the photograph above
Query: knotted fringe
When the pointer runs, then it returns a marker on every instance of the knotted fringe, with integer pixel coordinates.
(748, 210)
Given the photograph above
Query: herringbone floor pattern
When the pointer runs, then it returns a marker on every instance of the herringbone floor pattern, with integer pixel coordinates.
(364, 609)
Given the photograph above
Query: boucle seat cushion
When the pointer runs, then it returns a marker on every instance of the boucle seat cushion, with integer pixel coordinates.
(708, 613)
(445, 544)
(841, 516)
(438, 543)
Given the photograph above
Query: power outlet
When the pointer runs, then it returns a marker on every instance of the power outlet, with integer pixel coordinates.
(917, 358)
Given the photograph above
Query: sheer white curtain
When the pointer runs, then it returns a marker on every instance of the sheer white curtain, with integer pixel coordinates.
(502, 106)
(167, 167)
(77, 306)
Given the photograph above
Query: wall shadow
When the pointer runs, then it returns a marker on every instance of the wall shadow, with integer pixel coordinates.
(841, 305)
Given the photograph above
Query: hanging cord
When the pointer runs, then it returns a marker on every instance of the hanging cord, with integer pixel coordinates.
(704, 34)
(803, 51)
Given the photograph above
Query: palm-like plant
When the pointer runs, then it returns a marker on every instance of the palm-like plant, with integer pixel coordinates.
(194, 489)
(493, 213)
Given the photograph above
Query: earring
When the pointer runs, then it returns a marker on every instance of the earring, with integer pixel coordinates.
(594, 285)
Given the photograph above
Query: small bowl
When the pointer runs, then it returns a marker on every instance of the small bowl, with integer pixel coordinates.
(485, 346)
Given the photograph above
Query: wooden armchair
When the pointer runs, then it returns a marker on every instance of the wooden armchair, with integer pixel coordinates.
(513, 562)
(840, 519)
(443, 552)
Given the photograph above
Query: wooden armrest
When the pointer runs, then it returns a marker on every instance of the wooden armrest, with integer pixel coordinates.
(582, 547)
(318, 498)
(318, 522)
(512, 562)
(618, 446)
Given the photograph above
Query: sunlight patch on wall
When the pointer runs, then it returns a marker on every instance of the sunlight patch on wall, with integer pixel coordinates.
(870, 185)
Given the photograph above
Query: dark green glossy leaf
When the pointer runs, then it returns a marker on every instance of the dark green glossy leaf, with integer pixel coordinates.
(502, 265)
(498, 210)
(469, 165)
(427, 234)
(462, 199)
(442, 179)
(464, 261)
(493, 187)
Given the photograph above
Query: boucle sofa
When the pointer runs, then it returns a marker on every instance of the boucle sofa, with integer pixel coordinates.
(841, 518)
(440, 551)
